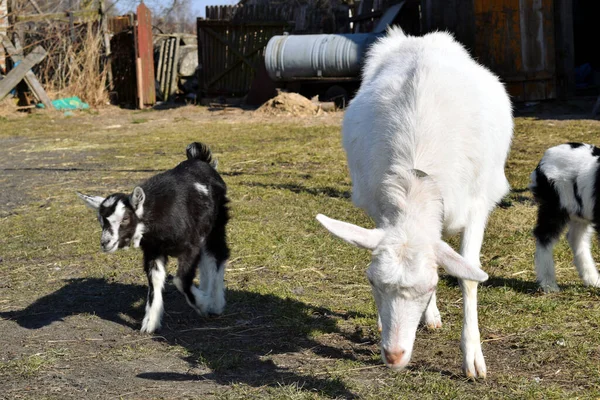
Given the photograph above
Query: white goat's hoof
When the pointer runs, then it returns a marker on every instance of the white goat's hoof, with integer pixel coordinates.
(432, 320)
(474, 364)
(150, 325)
(434, 323)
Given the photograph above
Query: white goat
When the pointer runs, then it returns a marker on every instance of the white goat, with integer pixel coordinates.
(426, 138)
(566, 187)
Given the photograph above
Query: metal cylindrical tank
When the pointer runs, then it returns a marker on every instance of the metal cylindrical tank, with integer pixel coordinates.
(290, 57)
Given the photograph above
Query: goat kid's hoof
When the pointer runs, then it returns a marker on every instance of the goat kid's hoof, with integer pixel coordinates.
(549, 287)
(149, 326)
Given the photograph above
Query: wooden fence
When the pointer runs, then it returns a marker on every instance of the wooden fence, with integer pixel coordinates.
(231, 45)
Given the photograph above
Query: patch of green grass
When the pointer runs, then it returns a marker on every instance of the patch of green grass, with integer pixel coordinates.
(29, 366)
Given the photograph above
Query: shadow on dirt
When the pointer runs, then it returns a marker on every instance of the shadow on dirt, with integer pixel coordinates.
(236, 347)
(517, 285)
(296, 188)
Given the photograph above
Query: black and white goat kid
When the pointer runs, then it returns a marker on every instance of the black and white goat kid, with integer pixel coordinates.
(178, 213)
(566, 186)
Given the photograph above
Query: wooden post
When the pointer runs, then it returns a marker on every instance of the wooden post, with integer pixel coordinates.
(17, 74)
(107, 50)
(3, 31)
(565, 49)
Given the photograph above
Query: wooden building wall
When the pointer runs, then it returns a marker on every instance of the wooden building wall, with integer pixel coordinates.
(516, 39)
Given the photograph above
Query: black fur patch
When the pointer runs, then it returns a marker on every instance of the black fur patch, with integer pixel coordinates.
(552, 217)
(595, 152)
(596, 217)
(575, 145)
(577, 198)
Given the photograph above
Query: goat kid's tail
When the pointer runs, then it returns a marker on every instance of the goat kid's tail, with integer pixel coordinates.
(201, 152)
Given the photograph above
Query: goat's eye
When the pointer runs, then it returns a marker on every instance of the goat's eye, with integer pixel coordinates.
(125, 220)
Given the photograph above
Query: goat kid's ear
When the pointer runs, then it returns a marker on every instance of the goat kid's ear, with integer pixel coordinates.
(137, 198)
(91, 201)
(355, 235)
(456, 265)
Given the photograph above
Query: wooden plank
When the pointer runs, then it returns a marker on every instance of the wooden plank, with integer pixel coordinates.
(30, 77)
(565, 49)
(106, 39)
(91, 14)
(145, 54)
(17, 74)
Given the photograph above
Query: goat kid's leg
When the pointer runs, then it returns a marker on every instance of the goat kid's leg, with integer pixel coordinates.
(431, 317)
(212, 275)
(197, 298)
(155, 270)
(579, 236)
(216, 254)
(550, 223)
(470, 343)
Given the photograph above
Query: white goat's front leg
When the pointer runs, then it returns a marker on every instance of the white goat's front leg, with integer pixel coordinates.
(431, 317)
(155, 270)
(579, 236)
(470, 343)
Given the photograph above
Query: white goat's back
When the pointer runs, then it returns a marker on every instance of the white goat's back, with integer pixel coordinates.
(424, 103)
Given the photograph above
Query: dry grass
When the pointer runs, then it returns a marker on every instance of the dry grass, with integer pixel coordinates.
(300, 321)
(76, 69)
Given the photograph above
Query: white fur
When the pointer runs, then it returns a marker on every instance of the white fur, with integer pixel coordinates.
(564, 166)
(138, 234)
(425, 105)
(154, 311)
(201, 188)
(112, 238)
(210, 296)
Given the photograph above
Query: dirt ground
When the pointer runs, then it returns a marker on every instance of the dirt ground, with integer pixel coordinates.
(70, 317)
(77, 324)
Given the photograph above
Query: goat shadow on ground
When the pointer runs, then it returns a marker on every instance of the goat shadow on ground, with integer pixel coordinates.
(517, 285)
(297, 188)
(236, 347)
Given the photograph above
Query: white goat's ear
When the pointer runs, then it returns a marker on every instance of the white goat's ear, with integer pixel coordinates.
(456, 265)
(91, 201)
(355, 235)
(137, 198)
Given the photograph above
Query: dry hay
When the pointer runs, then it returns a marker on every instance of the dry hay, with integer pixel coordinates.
(290, 104)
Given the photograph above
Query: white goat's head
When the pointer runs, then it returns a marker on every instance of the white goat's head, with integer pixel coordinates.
(403, 277)
(120, 218)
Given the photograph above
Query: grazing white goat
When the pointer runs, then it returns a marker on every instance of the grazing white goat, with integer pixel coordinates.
(566, 186)
(426, 138)
(178, 213)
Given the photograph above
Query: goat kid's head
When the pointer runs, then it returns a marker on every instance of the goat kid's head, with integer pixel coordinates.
(403, 276)
(120, 218)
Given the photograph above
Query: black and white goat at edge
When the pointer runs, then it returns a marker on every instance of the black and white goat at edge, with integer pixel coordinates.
(178, 213)
(566, 186)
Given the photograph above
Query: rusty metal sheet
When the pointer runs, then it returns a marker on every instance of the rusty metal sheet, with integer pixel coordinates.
(515, 39)
(145, 57)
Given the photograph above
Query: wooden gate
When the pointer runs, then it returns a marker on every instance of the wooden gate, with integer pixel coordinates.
(231, 51)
